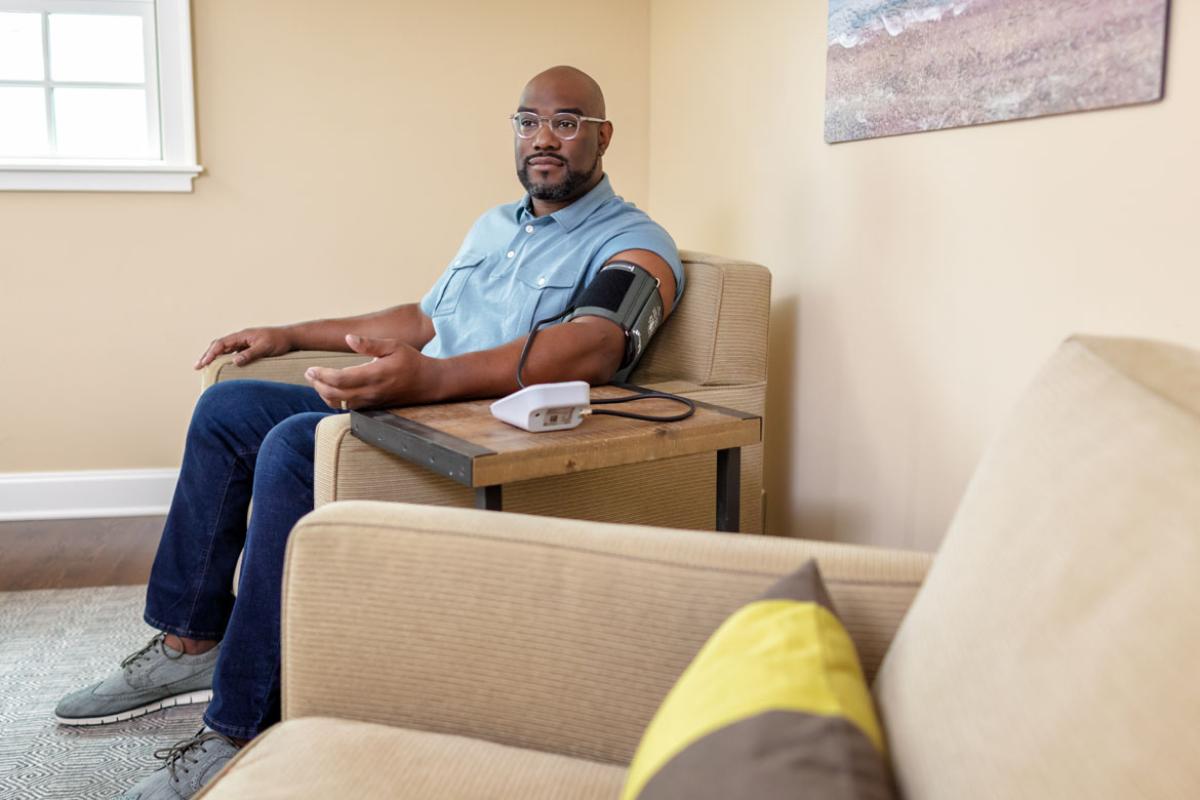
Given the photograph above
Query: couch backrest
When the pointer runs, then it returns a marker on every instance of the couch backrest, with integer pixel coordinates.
(718, 334)
(1052, 650)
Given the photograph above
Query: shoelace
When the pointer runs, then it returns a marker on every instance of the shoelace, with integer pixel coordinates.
(157, 641)
(181, 751)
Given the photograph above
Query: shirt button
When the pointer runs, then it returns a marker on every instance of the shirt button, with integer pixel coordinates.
(529, 229)
(512, 253)
(541, 281)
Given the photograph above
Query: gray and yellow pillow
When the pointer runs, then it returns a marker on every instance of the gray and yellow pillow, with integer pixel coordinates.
(774, 705)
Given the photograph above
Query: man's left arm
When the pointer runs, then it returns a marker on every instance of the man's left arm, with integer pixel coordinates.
(586, 348)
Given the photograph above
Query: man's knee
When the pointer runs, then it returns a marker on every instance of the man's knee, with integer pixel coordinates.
(227, 406)
(218, 404)
(292, 439)
(241, 410)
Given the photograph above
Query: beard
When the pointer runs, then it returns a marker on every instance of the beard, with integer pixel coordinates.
(565, 189)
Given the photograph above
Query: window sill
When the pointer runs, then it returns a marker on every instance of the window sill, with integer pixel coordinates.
(96, 176)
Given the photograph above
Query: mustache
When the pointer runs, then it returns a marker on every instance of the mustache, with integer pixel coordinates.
(559, 159)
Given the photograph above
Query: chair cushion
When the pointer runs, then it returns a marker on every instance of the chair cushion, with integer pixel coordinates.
(1052, 650)
(774, 706)
(316, 757)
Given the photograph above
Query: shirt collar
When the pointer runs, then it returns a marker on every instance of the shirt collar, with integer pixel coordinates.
(574, 214)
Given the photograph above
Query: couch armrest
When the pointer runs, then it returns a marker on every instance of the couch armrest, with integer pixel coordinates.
(555, 634)
(288, 368)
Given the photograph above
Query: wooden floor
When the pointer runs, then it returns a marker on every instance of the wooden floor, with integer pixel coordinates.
(61, 554)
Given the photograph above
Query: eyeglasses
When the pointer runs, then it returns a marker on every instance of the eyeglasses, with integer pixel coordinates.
(563, 125)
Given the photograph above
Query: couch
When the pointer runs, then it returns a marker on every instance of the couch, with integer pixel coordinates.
(713, 348)
(1047, 651)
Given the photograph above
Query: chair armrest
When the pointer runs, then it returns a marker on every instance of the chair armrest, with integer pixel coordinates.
(288, 368)
(559, 635)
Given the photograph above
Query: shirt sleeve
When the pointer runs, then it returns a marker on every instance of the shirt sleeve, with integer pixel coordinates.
(644, 235)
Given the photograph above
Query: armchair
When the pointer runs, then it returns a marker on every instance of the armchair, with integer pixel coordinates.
(713, 349)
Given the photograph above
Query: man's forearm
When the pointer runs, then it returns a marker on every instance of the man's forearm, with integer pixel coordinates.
(587, 350)
(405, 323)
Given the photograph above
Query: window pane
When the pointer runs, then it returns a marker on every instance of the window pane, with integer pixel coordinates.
(20, 47)
(23, 132)
(106, 123)
(96, 47)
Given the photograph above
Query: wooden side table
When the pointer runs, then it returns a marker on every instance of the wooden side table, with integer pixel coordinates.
(464, 442)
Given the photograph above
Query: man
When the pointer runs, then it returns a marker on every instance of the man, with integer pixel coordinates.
(520, 262)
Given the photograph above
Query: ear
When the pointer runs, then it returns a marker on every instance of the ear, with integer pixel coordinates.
(604, 135)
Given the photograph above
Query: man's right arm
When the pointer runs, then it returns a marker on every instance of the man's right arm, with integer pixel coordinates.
(406, 323)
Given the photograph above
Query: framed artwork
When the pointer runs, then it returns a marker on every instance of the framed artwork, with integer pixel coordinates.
(902, 66)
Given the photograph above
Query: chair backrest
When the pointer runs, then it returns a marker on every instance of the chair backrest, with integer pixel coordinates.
(718, 334)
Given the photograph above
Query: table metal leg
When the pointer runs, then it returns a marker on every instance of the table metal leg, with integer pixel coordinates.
(488, 498)
(729, 489)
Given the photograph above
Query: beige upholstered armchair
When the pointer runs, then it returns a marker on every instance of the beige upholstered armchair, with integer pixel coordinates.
(713, 348)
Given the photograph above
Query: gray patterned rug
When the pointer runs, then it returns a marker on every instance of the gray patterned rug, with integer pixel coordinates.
(51, 642)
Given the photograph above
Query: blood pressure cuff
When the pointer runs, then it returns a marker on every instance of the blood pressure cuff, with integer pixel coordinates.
(628, 295)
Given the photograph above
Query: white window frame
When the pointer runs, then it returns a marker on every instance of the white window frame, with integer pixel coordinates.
(173, 126)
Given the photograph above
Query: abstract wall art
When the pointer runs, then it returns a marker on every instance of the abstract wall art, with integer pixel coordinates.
(902, 66)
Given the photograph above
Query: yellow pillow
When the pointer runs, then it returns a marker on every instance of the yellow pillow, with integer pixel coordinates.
(774, 705)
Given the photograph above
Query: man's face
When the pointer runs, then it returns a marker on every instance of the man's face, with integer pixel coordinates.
(550, 168)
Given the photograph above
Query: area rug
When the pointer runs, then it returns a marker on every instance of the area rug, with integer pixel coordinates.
(54, 641)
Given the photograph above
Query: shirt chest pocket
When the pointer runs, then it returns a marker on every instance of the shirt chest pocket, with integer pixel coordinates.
(547, 292)
(458, 274)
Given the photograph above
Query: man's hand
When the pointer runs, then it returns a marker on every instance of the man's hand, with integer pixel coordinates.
(249, 344)
(393, 376)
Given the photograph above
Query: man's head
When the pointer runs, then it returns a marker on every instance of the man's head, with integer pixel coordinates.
(554, 170)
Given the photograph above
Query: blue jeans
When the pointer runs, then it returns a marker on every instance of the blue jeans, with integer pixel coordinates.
(246, 437)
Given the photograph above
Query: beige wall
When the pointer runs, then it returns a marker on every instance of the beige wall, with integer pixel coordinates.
(321, 198)
(919, 280)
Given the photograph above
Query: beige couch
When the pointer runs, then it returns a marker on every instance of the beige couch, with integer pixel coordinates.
(713, 348)
(1050, 651)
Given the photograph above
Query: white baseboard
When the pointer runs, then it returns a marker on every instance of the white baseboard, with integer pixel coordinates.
(90, 493)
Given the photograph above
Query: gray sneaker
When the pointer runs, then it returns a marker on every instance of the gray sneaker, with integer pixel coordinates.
(153, 678)
(190, 764)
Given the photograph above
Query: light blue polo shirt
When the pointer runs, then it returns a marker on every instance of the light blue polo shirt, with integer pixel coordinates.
(514, 268)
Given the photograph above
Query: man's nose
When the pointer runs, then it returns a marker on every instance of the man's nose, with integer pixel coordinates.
(544, 139)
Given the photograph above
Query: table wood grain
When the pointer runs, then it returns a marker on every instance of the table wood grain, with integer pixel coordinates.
(464, 441)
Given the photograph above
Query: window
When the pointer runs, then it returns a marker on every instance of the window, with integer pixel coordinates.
(96, 95)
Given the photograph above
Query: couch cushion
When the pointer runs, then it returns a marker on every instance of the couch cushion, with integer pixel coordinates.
(774, 706)
(315, 757)
(1052, 650)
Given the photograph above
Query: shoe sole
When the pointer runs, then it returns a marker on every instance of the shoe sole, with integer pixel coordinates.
(185, 699)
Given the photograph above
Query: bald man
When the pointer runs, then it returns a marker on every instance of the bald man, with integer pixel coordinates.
(520, 262)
